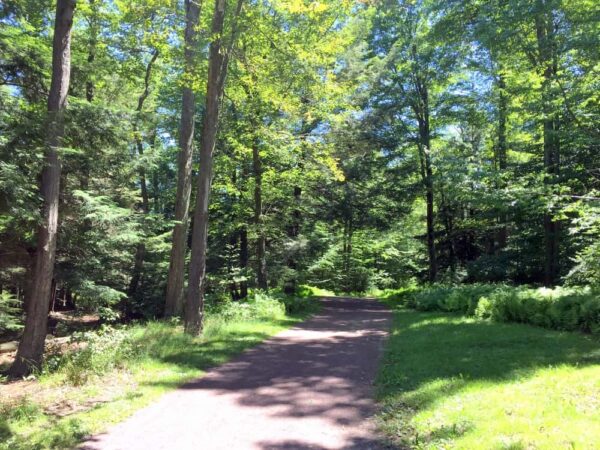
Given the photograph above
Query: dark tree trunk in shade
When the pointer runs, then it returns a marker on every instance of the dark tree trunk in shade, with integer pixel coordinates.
(140, 252)
(501, 150)
(31, 347)
(93, 41)
(293, 232)
(261, 261)
(90, 91)
(425, 148)
(243, 260)
(347, 250)
(420, 107)
(448, 220)
(176, 276)
(217, 72)
(233, 286)
(547, 51)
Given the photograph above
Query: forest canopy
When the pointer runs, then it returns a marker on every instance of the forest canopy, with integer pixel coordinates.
(159, 155)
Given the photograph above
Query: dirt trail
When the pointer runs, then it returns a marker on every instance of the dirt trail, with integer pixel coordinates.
(309, 387)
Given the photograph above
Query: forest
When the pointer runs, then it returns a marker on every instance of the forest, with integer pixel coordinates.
(172, 170)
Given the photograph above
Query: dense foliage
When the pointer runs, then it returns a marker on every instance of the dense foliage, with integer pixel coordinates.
(560, 308)
(359, 146)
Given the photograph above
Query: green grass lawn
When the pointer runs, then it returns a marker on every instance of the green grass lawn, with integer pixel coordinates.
(163, 359)
(453, 382)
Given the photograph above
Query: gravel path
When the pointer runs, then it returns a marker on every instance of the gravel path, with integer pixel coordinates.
(309, 387)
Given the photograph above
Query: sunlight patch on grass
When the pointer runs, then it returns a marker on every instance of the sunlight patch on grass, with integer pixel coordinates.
(451, 382)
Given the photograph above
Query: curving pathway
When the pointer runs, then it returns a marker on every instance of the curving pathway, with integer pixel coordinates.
(309, 387)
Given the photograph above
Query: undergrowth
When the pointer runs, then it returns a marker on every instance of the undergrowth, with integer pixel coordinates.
(568, 309)
(111, 372)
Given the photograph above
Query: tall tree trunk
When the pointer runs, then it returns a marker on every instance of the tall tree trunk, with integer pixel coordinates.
(93, 41)
(140, 251)
(231, 264)
(425, 139)
(242, 235)
(449, 225)
(31, 347)
(548, 60)
(345, 263)
(293, 233)
(430, 221)
(501, 149)
(349, 253)
(175, 281)
(217, 72)
(421, 111)
(261, 261)
(90, 91)
(243, 260)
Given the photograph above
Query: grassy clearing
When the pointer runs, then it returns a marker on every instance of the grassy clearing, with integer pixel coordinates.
(453, 382)
(122, 370)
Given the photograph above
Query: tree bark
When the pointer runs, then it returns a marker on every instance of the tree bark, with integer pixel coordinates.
(261, 261)
(545, 32)
(31, 348)
(293, 233)
(448, 220)
(345, 263)
(501, 149)
(93, 41)
(90, 91)
(217, 72)
(430, 220)
(421, 110)
(425, 144)
(175, 280)
(243, 260)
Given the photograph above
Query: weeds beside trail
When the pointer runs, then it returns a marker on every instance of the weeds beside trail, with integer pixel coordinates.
(453, 382)
(119, 370)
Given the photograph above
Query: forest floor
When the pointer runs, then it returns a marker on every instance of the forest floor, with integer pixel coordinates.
(452, 382)
(310, 387)
(61, 326)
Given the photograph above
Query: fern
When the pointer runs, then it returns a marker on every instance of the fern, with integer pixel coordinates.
(10, 313)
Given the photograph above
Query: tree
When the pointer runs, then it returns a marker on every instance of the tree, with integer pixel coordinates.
(31, 347)
(349, 145)
(415, 66)
(547, 64)
(141, 247)
(174, 295)
(217, 71)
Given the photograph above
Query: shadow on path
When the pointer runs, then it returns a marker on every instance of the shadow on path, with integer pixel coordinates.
(310, 387)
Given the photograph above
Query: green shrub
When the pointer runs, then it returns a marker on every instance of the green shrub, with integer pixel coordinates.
(462, 299)
(97, 352)
(297, 305)
(10, 313)
(305, 291)
(561, 308)
(402, 295)
(304, 301)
